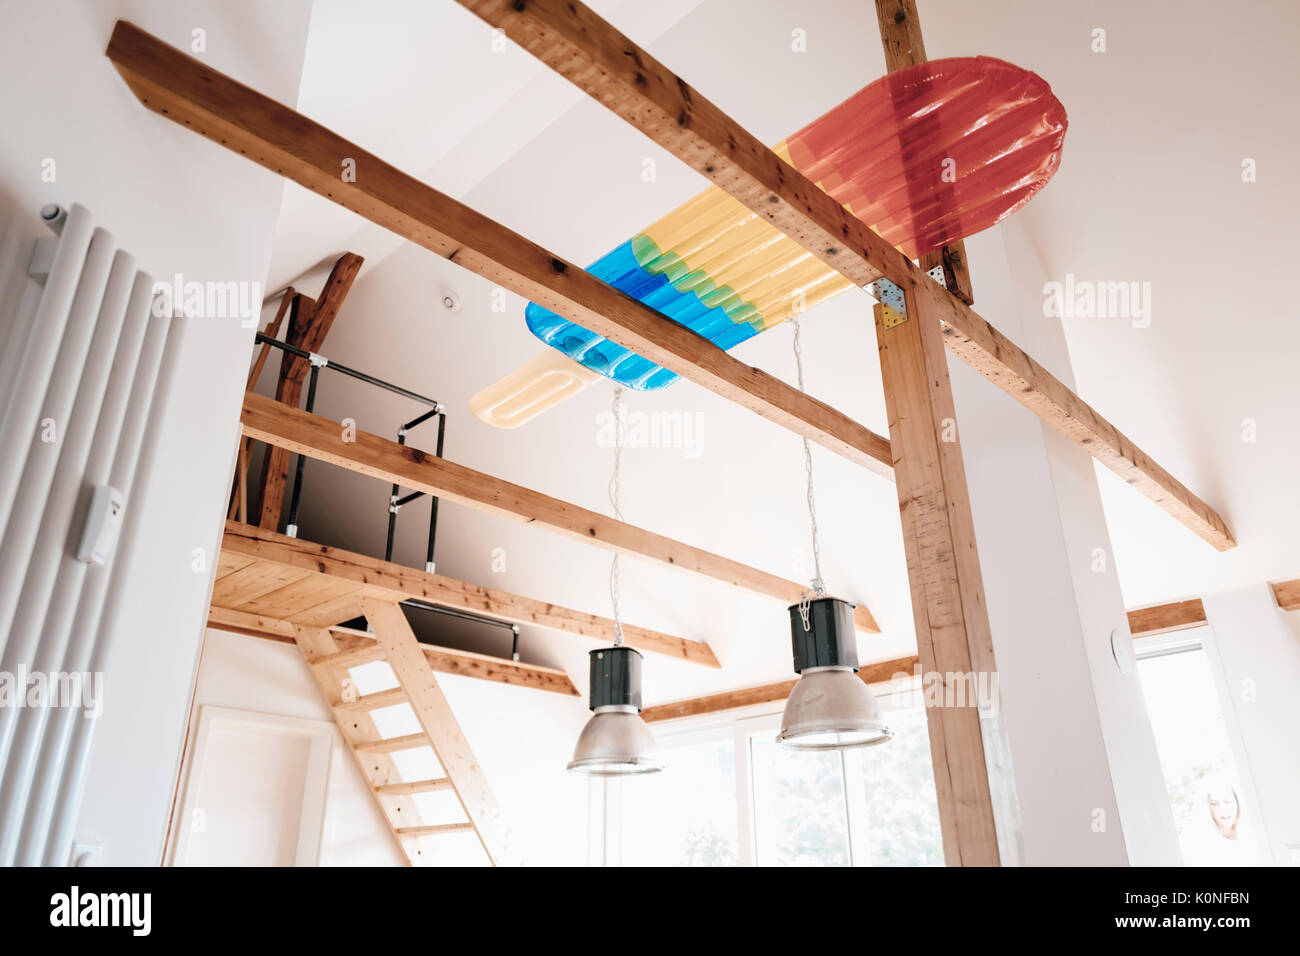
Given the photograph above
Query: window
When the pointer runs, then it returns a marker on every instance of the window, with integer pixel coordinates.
(1207, 794)
(686, 815)
(731, 796)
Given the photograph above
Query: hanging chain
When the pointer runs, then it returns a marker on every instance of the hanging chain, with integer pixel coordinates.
(615, 498)
(818, 588)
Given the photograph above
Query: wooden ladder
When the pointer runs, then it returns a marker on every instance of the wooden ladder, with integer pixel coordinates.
(396, 643)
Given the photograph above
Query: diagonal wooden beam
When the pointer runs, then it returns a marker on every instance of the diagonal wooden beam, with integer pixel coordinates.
(589, 52)
(900, 34)
(187, 92)
(394, 582)
(309, 323)
(312, 321)
(881, 672)
(239, 499)
(320, 438)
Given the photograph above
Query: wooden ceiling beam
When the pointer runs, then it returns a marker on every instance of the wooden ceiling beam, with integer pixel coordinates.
(412, 468)
(187, 92)
(613, 70)
(1166, 618)
(1287, 594)
(881, 672)
(1183, 615)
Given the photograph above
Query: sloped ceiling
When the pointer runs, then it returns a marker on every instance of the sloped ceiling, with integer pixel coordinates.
(1150, 191)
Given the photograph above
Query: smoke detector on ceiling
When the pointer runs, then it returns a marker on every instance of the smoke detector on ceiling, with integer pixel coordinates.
(450, 300)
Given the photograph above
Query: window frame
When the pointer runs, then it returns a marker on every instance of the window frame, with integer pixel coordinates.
(740, 726)
(1202, 638)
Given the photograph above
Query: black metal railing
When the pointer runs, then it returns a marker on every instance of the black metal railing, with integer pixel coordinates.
(395, 499)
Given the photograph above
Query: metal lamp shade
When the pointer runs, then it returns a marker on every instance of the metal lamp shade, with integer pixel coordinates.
(830, 707)
(616, 741)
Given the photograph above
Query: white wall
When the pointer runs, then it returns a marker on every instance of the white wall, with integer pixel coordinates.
(249, 673)
(181, 204)
(1084, 759)
(1255, 648)
(522, 738)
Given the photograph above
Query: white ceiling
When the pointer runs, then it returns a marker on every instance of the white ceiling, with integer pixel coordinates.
(1149, 191)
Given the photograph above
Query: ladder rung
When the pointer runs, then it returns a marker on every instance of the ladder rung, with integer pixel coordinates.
(374, 651)
(383, 698)
(433, 830)
(415, 786)
(388, 744)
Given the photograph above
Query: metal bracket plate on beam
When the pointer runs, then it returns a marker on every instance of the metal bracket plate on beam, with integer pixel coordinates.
(892, 302)
(891, 298)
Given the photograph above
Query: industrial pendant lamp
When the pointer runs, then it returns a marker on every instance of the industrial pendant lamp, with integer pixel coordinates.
(830, 708)
(616, 741)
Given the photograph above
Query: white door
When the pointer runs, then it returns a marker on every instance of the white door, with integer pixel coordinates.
(255, 794)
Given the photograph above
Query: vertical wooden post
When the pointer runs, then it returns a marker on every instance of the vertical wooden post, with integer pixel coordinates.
(900, 34)
(243, 480)
(976, 794)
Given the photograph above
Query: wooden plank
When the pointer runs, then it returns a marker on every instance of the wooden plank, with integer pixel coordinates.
(301, 595)
(228, 563)
(435, 829)
(336, 610)
(412, 468)
(952, 628)
(873, 674)
(358, 729)
(213, 105)
(416, 786)
(1165, 618)
(251, 582)
(586, 50)
(364, 654)
(440, 726)
(253, 625)
(1287, 594)
(900, 35)
(393, 744)
(369, 702)
(485, 667)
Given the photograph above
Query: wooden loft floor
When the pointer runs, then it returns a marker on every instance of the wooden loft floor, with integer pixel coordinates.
(266, 583)
(266, 594)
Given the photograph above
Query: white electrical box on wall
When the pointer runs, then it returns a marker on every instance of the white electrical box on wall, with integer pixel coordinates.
(103, 522)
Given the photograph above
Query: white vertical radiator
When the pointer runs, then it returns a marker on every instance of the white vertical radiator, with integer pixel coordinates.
(84, 387)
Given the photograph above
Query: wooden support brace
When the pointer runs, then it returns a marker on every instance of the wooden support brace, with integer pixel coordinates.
(973, 781)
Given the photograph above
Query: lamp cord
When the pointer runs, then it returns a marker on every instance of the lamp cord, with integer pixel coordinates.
(615, 497)
(818, 588)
